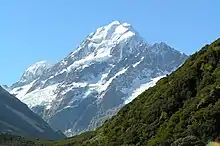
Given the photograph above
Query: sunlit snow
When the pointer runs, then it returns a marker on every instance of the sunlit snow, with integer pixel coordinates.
(142, 88)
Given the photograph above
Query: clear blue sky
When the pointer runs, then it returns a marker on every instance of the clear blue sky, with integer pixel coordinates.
(33, 30)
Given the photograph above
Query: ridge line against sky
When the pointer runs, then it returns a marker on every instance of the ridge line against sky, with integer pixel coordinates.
(31, 31)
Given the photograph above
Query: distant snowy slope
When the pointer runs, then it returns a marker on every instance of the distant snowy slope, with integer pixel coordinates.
(32, 73)
(109, 69)
(141, 88)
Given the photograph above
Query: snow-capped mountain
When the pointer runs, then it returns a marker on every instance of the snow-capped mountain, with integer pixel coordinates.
(109, 69)
(18, 119)
(33, 72)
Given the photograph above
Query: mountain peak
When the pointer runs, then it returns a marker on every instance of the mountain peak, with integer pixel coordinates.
(118, 23)
(102, 42)
(35, 70)
(112, 32)
(115, 22)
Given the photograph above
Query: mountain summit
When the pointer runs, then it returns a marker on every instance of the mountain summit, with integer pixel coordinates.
(109, 69)
(33, 72)
(114, 32)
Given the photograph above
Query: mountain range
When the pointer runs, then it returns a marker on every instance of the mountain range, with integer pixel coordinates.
(109, 69)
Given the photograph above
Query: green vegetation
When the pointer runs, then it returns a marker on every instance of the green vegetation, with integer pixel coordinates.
(183, 109)
(9, 140)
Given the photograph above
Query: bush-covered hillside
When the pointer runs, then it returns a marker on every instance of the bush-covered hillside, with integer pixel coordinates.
(183, 109)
